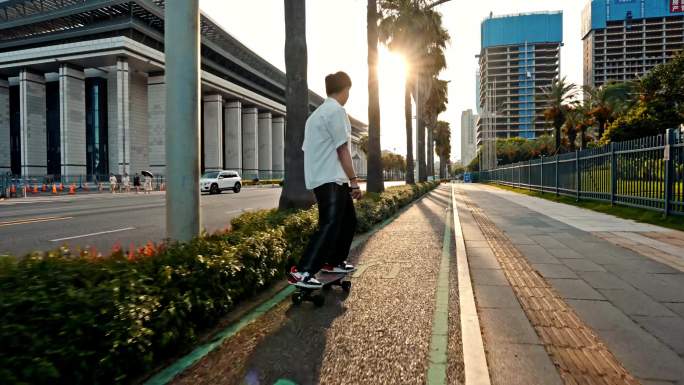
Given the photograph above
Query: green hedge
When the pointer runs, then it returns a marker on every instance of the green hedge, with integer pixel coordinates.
(77, 318)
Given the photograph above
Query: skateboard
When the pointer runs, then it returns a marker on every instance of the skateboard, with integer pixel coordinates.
(328, 280)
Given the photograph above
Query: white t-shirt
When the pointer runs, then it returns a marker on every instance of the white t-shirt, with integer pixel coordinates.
(326, 129)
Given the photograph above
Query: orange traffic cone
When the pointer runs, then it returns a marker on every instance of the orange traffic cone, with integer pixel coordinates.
(54, 188)
(72, 189)
(61, 187)
(35, 189)
(13, 190)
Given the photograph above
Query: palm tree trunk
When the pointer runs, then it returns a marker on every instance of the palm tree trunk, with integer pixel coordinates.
(583, 139)
(295, 194)
(410, 179)
(375, 180)
(430, 152)
(442, 167)
(420, 129)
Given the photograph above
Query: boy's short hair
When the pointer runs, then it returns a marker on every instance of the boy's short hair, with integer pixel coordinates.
(336, 82)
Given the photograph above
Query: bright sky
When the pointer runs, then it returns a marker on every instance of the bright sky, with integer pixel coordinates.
(336, 39)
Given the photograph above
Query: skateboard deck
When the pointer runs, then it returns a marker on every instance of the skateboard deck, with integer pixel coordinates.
(328, 280)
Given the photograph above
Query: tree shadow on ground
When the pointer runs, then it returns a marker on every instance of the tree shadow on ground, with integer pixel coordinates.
(296, 349)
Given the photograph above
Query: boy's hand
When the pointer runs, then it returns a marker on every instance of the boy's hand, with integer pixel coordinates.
(356, 192)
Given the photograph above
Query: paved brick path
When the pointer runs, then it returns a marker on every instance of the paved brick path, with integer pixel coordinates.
(379, 334)
(631, 297)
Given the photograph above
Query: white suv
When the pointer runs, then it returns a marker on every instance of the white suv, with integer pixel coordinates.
(216, 181)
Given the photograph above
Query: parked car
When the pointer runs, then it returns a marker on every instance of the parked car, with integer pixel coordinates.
(214, 182)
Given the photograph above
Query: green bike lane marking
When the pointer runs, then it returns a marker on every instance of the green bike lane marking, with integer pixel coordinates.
(170, 372)
(437, 367)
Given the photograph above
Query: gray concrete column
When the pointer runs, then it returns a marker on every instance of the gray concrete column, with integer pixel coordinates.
(278, 144)
(265, 148)
(156, 109)
(118, 123)
(5, 158)
(138, 123)
(232, 151)
(72, 124)
(213, 132)
(128, 120)
(250, 143)
(182, 50)
(33, 133)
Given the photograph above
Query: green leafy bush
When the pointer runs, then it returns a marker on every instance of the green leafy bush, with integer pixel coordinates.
(71, 317)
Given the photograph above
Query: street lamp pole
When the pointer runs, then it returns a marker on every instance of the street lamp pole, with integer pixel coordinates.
(181, 49)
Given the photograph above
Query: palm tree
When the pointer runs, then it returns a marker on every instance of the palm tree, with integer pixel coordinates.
(397, 30)
(573, 120)
(435, 105)
(443, 146)
(606, 101)
(558, 95)
(295, 194)
(414, 29)
(375, 180)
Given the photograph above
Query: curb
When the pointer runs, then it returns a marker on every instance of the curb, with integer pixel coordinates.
(474, 358)
(170, 372)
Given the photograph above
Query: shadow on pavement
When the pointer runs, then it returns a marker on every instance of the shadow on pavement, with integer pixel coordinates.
(296, 349)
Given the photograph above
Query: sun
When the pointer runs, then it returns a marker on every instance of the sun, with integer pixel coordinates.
(391, 65)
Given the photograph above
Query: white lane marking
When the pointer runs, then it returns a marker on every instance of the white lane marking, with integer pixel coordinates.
(92, 234)
(32, 220)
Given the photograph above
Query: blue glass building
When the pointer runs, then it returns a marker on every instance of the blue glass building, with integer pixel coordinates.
(520, 55)
(626, 38)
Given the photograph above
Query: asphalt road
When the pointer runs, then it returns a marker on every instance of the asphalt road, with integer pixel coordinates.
(102, 220)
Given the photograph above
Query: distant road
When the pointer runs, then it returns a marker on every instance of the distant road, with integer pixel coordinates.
(103, 220)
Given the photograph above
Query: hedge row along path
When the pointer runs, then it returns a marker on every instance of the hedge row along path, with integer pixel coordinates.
(380, 333)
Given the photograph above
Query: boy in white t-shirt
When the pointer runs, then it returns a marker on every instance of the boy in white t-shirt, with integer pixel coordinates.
(329, 172)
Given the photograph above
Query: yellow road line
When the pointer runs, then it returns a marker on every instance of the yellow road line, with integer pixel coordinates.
(32, 220)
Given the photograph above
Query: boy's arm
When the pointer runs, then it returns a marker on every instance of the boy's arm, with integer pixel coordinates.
(348, 167)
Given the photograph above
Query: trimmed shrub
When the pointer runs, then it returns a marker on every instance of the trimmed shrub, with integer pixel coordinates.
(79, 318)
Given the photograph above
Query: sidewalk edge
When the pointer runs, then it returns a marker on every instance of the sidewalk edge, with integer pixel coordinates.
(474, 359)
(167, 374)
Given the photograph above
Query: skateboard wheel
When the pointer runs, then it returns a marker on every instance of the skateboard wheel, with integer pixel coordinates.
(297, 299)
(318, 300)
(346, 286)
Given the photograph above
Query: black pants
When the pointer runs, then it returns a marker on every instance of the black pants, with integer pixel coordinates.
(336, 228)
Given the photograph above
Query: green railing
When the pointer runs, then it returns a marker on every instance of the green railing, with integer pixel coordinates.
(645, 173)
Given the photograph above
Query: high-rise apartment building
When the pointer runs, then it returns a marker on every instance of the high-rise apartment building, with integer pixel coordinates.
(468, 134)
(519, 57)
(624, 39)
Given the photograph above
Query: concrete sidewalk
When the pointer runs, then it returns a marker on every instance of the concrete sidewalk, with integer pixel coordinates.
(623, 280)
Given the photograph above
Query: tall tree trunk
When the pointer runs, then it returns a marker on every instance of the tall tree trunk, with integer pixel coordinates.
(408, 116)
(420, 128)
(442, 167)
(430, 152)
(295, 194)
(583, 138)
(375, 180)
(601, 128)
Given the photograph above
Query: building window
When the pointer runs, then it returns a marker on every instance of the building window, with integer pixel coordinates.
(97, 154)
(52, 128)
(15, 131)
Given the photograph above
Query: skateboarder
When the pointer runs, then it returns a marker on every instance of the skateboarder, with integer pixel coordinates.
(329, 172)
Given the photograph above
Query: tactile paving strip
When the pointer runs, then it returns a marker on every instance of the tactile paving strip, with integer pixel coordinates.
(578, 353)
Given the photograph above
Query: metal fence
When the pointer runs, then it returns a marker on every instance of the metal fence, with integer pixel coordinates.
(645, 173)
